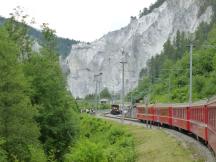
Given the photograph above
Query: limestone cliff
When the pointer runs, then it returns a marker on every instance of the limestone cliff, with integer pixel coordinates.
(141, 39)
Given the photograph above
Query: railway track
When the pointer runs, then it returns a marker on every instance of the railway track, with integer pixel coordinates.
(188, 141)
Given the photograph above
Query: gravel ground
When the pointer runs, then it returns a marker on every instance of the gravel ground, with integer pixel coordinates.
(188, 142)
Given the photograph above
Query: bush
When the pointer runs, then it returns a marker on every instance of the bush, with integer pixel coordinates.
(37, 154)
(19, 150)
(86, 151)
(3, 154)
(101, 141)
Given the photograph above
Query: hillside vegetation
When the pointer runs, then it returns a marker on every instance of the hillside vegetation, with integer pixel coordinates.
(63, 45)
(166, 78)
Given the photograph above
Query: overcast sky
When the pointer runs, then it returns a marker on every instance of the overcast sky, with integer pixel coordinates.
(84, 20)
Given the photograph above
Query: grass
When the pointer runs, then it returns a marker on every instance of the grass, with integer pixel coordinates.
(154, 145)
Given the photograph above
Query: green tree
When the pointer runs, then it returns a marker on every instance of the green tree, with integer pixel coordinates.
(49, 41)
(18, 126)
(105, 93)
(18, 30)
(57, 119)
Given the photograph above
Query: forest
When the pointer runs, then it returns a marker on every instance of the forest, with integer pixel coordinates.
(39, 118)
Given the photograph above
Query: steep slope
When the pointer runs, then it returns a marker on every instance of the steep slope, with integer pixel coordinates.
(141, 39)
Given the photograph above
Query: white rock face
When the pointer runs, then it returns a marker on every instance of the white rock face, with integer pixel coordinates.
(141, 39)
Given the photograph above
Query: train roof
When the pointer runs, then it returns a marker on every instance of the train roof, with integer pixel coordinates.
(177, 105)
(211, 102)
(199, 103)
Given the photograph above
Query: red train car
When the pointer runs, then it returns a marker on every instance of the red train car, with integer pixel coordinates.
(180, 116)
(145, 113)
(199, 118)
(211, 120)
(163, 114)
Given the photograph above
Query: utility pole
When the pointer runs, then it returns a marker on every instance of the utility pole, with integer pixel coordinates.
(113, 97)
(96, 102)
(169, 89)
(97, 88)
(123, 62)
(191, 74)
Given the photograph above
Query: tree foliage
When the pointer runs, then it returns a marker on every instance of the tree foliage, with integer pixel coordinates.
(18, 126)
(35, 108)
(146, 11)
(105, 93)
(101, 141)
(56, 117)
(166, 78)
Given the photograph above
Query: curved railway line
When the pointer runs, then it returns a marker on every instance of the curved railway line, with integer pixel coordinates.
(200, 148)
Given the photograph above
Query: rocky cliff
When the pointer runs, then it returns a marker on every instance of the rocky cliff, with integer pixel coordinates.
(141, 39)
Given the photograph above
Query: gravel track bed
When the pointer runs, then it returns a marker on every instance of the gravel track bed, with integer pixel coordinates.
(187, 141)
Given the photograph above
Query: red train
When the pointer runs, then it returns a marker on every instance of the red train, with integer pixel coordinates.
(199, 118)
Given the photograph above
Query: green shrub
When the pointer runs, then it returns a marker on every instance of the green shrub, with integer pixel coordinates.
(3, 154)
(19, 150)
(37, 154)
(86, 151)
(101, 141)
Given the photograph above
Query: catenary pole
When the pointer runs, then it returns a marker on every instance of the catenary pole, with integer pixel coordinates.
(123, 62)
(191, 74)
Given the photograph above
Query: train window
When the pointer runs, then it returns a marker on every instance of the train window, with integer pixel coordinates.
(183, 111)
(214, 120)
(203, 114)
(193, 113)
(198, 112)
(212, 116)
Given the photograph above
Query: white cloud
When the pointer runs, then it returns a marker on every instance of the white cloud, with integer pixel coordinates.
(84, 20)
